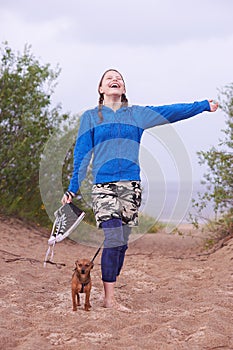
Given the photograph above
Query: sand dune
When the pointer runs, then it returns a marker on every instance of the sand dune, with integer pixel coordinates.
(178, 299)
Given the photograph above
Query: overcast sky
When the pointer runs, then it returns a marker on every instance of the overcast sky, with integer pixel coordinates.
(168, 51)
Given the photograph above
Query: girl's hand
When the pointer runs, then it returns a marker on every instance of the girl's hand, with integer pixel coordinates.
(213, 105)
(67, 198)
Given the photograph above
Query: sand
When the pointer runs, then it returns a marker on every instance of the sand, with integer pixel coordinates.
(178, 296)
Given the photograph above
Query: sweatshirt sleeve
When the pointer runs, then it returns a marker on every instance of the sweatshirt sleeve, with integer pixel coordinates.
(82, 153)
(159, 115)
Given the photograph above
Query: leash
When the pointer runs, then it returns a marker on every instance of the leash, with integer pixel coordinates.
(97, 252)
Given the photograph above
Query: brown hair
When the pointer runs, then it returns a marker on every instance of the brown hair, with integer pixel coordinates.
(124, 99)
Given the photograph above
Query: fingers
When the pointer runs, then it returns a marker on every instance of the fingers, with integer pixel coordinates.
(67, 197)
(213, 105)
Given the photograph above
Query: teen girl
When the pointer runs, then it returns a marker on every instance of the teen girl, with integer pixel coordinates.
(111, 133)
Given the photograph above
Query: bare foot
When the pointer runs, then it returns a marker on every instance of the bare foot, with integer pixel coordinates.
(109, 302)
(116, 306)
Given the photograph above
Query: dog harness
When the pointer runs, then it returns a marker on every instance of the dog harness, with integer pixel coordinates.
(84, 285)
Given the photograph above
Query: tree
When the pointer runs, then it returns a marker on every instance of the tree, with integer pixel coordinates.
(26, 121)
(219, 179)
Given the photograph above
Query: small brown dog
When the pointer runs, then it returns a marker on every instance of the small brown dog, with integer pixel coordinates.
(81, 283)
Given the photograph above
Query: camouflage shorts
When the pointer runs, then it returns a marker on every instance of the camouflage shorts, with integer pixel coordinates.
(117, 200)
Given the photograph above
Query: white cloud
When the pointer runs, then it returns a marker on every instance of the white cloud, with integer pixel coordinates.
(168, 51)
(130, 22)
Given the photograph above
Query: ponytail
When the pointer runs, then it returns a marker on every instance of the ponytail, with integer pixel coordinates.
(101, 101)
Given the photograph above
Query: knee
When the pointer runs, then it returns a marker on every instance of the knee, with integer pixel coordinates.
(113, 232)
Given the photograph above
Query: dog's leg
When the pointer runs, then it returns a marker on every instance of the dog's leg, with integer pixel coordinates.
(87, 304)
(78, 299)
(74, 300)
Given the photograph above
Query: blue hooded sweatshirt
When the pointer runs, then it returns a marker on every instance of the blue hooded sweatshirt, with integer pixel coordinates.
(113, 144)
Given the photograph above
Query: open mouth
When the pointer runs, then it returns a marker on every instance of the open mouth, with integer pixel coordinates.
(114, 86)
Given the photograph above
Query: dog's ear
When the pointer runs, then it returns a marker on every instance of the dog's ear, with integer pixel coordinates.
(76, 263)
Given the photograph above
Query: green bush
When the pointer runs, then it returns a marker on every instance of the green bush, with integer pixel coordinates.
(27, 119)
(218, 181)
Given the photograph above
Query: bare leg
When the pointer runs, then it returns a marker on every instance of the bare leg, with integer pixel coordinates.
(112, 261)
(109, 298)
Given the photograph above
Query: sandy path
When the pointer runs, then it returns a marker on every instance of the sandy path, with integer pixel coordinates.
(178, 299)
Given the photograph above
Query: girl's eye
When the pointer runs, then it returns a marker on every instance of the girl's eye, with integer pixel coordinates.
(110, 78)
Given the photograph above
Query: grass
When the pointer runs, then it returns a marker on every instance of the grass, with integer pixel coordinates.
(220, 229)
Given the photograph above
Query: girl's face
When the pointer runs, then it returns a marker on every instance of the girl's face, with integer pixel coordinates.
(112, 84)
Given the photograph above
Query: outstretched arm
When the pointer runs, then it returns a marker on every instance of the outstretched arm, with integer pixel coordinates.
(175, 112)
